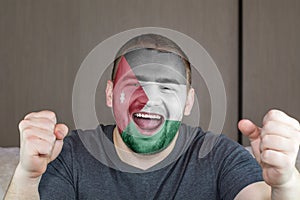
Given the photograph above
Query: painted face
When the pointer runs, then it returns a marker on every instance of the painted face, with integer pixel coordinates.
(149, 98)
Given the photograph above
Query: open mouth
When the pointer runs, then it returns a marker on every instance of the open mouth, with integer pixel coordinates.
(147, 122)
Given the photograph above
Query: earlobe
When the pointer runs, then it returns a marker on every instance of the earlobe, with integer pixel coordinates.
(109, 93)
(189, 101)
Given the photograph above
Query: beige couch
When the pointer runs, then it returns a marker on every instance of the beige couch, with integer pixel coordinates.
(9, 159)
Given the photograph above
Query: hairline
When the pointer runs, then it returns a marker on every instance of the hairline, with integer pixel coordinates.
(159, 43)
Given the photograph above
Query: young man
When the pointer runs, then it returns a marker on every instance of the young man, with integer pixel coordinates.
(154, 156)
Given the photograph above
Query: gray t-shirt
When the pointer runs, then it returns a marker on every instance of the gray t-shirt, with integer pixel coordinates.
(94, 171)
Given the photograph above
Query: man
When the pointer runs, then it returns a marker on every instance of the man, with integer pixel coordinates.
(154, 156)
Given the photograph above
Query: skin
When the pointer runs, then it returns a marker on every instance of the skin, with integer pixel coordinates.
(41, 140)
(275, 146)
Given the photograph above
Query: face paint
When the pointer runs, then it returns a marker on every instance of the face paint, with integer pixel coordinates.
(149, 98)
(151, 144)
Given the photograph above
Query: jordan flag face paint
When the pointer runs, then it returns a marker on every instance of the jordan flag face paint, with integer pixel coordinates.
(149, 98)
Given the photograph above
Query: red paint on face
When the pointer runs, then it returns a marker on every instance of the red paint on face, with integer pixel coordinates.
(129, 96)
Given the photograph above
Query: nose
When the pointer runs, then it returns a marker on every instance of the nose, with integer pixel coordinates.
(154, 98)
(154, 102)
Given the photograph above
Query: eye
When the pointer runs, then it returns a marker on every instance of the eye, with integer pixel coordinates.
(133, 84)
(166, 89)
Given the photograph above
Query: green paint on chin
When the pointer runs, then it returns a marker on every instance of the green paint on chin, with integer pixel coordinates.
(150, 144)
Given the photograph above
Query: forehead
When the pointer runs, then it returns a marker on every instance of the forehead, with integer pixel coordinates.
(154, 65)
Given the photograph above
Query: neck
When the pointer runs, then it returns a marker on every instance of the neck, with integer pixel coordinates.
(141, 161)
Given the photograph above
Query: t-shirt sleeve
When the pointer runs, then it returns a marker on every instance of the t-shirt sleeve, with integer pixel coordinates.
(58, 182)
(236, 168)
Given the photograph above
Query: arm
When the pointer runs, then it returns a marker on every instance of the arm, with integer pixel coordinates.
(41, 142)
(275, 147)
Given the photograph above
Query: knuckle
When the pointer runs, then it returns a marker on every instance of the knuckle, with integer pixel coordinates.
(49, 114)
(268, 125)
(294, 147)
(29, 115)
(263, 156)
(48, 149)
(265, 139)
(266, 154)
(23, 123)
(273, 114)
(297, 124)
(27, 132)
(48, 123)
(52, 138)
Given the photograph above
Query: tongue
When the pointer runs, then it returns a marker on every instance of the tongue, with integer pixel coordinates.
(147, 124)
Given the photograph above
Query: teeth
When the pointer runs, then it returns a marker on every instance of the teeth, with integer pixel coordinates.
(148, 116)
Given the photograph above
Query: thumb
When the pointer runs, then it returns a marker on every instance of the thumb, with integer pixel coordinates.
(249, 129)
(60, 131)
(252, 131)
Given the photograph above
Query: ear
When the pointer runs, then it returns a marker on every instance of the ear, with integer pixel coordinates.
(109, 93)
(189, 101)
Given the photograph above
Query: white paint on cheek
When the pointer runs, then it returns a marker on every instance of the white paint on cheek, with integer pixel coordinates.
(122, 97)
(174, 100)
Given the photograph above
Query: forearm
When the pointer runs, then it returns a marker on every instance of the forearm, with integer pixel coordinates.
(289, 191)
(22, 187)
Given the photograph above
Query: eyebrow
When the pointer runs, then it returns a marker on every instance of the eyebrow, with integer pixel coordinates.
(159, 80)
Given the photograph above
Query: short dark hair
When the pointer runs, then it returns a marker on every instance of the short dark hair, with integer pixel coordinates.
(153, 41)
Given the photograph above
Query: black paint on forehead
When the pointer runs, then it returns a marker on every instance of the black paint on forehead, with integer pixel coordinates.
(156, 64)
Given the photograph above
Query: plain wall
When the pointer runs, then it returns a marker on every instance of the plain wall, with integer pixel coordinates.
(44, 42)
(271, 58)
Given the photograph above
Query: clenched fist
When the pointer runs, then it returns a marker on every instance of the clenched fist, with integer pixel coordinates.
(41, 142)
(275, 146)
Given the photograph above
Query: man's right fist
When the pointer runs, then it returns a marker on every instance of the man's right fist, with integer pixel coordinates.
(41, 142)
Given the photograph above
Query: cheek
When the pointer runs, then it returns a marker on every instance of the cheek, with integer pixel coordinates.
(128, 97)
(126, 100)
(120, 106)
(175, 104)
(120, 102)
(121, 92)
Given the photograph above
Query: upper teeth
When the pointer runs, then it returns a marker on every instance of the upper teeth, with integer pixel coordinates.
(151, 116)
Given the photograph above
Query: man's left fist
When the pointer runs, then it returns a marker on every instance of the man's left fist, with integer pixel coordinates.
(275, 145)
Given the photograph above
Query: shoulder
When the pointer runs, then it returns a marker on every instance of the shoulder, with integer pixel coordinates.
(80, 141)
(222, 149)
(75, 137)
(207, 142)
(230, 163)
(215, 149)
